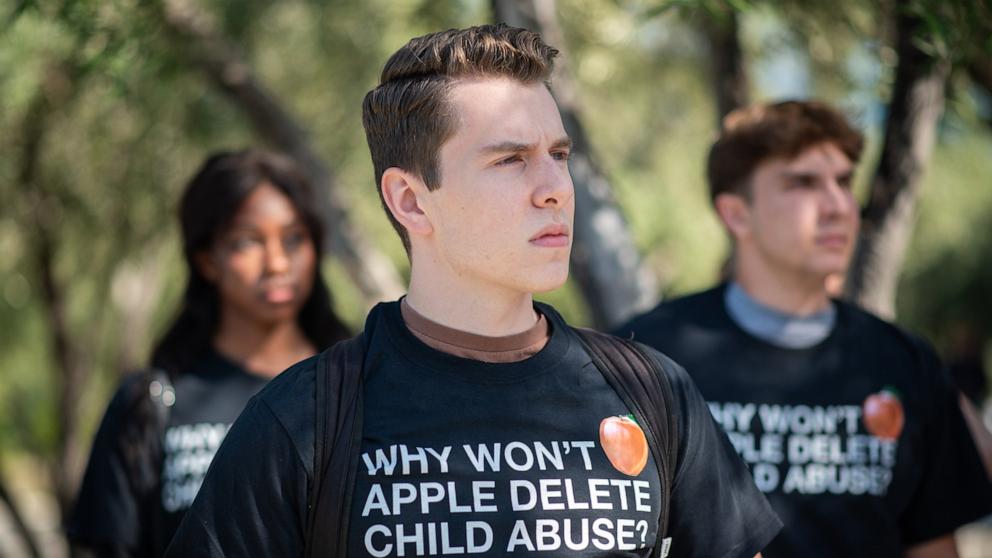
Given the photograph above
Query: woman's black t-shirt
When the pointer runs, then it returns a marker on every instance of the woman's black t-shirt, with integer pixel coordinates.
(109, 515)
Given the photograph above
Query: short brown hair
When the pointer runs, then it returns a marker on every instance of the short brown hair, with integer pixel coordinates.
(752, 135)
(407, 117)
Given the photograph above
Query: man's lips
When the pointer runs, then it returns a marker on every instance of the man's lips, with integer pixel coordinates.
(552, 236)
(833, 240)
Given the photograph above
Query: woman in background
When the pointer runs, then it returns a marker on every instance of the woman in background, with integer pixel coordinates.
(255, 304)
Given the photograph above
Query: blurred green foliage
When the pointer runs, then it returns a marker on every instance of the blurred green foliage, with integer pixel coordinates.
(138, 120)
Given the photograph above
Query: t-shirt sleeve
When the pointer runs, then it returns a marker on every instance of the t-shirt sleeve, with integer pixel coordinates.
(254, 496)
(954, 489)
(716, 510)
(107, 516)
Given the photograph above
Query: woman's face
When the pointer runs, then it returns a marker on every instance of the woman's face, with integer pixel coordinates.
(263, 264)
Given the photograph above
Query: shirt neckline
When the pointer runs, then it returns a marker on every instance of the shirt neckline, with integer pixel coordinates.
(468, 370)
(721, 303)
(774, 326)
(426, 327)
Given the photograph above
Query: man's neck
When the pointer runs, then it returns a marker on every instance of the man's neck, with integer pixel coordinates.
(471, 307)
(264, 350)
(797, 296)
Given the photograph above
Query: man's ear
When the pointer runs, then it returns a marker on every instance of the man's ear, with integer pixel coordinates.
(735, 213)
(206, 265)
(403, 193)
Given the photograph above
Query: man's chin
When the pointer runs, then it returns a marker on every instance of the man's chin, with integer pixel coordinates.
(548, 284)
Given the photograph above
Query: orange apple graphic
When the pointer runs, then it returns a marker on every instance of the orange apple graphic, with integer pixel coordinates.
(624, 444)
(883, 415)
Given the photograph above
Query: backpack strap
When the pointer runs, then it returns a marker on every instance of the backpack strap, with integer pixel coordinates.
(644, 387)
(337, 441)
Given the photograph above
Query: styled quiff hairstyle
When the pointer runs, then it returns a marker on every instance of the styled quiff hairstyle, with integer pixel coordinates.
(407, 117)
(755, 134)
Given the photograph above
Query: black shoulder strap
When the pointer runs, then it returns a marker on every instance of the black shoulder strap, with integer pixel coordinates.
(338, 427)
(645, 389)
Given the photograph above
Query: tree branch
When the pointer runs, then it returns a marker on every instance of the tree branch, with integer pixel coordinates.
(223, 65)
(914, 111)
(726, 61)
(605, 261)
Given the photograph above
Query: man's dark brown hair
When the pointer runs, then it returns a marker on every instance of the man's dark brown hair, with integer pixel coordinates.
(758, 133)
(407, 117)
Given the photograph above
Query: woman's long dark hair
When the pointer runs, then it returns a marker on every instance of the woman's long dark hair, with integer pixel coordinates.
(210, 202)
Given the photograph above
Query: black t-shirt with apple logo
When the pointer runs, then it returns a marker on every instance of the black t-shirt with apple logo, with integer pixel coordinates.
(858, 441)
(458, 456)
(461, 456)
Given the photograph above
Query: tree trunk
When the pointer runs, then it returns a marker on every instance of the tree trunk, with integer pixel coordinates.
(914, 110)
(370, 269)
(19, 524)
(726, 62)
(605, 262)
(131, 285)
(73, 368)
(58, 88)
(980, 72)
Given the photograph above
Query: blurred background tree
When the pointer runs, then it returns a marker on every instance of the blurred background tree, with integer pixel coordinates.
(108, 106)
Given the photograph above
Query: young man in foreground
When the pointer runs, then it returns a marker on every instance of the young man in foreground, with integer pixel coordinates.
(486, 429)
(849, 424)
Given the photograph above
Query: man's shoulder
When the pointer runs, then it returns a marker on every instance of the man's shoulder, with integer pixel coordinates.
(697, 310)
(673, 372)
(292, 386)
(290, 398)
(670, 371)
(882, 334)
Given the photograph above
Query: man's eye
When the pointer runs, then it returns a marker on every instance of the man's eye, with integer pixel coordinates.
(509, 160)
(844, 181)
(561, 155)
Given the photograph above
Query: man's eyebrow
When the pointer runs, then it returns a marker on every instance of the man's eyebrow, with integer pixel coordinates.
(798, 174)
(517, 147)
(507, 147)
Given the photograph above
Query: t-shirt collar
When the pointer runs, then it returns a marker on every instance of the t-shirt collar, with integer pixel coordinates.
(424, 326)
(385, 323)
(775, 327)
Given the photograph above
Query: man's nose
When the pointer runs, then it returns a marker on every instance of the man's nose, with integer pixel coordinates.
(554, 184)
(838, 199)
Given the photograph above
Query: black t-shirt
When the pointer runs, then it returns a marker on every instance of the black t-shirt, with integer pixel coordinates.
(109, 515)
(858, 441)
(465, 457)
